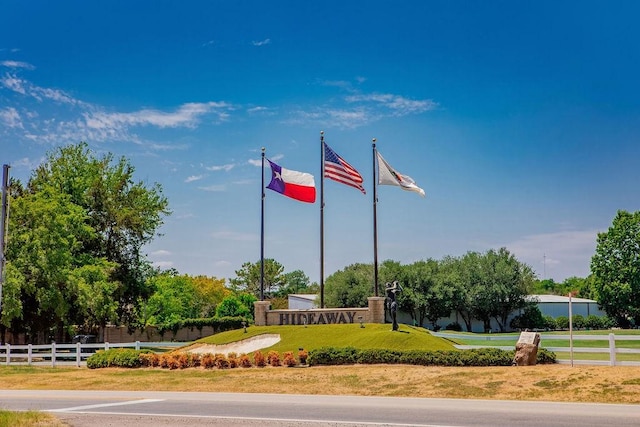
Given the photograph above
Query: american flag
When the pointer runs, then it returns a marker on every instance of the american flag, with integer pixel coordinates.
(336, 168)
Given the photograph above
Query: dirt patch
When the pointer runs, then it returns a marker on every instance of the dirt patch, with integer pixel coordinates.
(239, 347)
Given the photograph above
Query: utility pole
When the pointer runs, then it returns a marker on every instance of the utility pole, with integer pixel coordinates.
(3, 226)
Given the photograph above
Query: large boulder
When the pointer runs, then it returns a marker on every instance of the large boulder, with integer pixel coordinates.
(527, 349)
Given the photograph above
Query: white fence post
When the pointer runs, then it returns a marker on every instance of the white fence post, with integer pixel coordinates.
(612, 350)
(29, 354)
(53, 354)
(137, 345)
(8, 354)
(78, 353)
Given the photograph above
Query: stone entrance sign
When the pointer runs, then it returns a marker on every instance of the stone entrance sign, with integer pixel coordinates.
(527, 349)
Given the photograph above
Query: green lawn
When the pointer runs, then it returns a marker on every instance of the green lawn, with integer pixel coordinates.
(548, 340)
(293, 337)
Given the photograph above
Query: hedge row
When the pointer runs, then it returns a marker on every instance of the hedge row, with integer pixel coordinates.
(219, 324)
(128, 358)
(474, 357)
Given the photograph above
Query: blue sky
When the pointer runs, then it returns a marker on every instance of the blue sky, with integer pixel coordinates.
(520, 120)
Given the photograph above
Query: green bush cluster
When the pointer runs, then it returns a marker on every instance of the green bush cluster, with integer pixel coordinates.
(475, 357)
(129, 358)
(219, 324)
(116, 357)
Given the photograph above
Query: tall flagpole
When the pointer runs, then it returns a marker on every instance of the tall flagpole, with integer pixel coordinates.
(375, 221)
(262, 232)
(3, 226)
(321, 219)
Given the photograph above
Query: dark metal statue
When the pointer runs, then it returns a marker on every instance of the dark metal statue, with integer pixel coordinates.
(392, 289)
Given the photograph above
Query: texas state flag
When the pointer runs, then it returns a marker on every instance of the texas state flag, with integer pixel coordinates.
(294, 184)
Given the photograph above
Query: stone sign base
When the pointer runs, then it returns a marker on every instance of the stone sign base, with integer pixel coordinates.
(527, 349)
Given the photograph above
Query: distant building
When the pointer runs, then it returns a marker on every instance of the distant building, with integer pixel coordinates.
(556, 305)
(303, 301)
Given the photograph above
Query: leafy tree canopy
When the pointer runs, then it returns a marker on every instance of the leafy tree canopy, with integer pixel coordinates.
(615, 268)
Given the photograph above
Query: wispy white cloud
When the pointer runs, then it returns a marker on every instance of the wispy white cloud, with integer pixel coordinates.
(163, 264)
(214, 188)
(260, 110)
(90, 122)
(258, 162)
(17, 64)
(160, 253)
(26, 163)
(360, 109)
(235, 236)
(261, 42)
(398, 104)
(10, 118)
(225, 168)
(187, 115)
(193, 178)
(24, 87)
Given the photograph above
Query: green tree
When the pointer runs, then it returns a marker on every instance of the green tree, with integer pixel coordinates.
(233, 306)
(45, 253)
(349, 287)
(174, 298)
(615, 267)
(295, 282)
(496, 284)
(210, 291)
(248, 278)
(122, 214)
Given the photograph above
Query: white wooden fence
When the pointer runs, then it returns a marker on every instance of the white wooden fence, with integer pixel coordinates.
(66, 354)
(612, 349)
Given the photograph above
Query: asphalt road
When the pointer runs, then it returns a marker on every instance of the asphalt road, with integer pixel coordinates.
(117, 408)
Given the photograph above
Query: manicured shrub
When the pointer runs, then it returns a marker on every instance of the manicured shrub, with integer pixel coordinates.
(259, 360)
(550, 323)
(233, 360)
(181, 360)
(475, 357)
(545, 357)
(117, 357)
(562, 322)
(274, 358)
(221, 361)
(577, 321)
(288, 359)
(207, 361)
(245, 361)
(194, 360)
(332, 356)
(149, 360)
(375, 356)
(302, 356)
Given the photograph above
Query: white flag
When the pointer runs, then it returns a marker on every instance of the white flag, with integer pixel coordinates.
(388, 176)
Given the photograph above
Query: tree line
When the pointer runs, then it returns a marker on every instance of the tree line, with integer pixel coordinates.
(75, 261)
